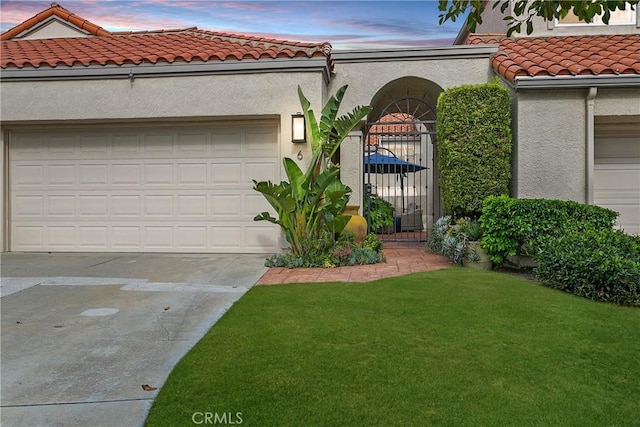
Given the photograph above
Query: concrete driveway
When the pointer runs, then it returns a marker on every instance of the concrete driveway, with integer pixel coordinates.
(83, 333)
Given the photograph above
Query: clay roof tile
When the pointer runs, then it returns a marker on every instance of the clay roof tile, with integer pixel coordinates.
(555, 56)
(179, 45)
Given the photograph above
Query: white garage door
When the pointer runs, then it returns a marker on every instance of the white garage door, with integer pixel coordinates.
(617, 172)
(162, 189)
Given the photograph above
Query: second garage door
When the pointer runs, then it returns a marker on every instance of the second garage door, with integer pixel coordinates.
(163, 189)
(617, 172)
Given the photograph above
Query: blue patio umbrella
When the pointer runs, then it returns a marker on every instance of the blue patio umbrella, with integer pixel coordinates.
(380, 163)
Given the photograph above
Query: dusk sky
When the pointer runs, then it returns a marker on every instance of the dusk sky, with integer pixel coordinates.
(345, 24)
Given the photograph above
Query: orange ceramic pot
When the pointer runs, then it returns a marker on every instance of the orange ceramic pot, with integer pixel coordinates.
(357, 224)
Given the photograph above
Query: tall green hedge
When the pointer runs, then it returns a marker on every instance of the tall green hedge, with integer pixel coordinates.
(473, 140)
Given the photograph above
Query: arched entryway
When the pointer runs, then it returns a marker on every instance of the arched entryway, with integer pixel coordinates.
(400, 181)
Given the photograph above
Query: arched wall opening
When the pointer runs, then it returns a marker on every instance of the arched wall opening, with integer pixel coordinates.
(399, 155)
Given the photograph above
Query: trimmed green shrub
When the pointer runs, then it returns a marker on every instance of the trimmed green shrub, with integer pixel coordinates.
(379, 214)
(513, 227)
(473, 139)
(602, 265)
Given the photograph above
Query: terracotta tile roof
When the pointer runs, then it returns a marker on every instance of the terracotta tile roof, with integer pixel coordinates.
(60, 12)
(151, 47)
(487, 38)
(565, 56)
(398, 124)
(161, 46)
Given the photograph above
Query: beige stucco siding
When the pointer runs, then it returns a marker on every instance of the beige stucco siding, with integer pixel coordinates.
(550, 145)
(618, 102)
(365, 79)
(54, 29)
(163, 97)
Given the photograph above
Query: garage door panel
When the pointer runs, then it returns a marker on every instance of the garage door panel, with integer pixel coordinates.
(126, 238)
(28, 237)
(29, 206)
(226, 205)
(167, 190)
(192, 174)
(92, 206)
(227, 238)
(158, 237)
(158, 173)
(259, 235)
(125, 146)
(28, 176)
(611, 177)
(226, 143)
(93, 237)
(28, 147)
(158, 206)
(61, 146)
(256, 203)
(160, 144)
(192, 238)
(61, 175)
(127, 174)
(92, 174)
(126, 206)
(193, 143)
(61, 237)
(225, 173)
(260, 171)
(192, 205)
(62, 205)
(93, 146)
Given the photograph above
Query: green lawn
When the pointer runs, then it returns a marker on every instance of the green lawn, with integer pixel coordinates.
(449, 347)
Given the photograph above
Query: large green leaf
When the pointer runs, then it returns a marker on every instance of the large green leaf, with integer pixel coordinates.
(297, 179)
(343, 125)
(330, 112)
(313, 131)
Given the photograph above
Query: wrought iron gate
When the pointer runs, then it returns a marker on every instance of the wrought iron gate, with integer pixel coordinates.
(398, 169)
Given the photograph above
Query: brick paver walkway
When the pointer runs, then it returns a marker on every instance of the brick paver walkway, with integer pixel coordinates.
(402, 258)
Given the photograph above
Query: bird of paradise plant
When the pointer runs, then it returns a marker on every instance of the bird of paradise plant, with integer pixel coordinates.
(313, 201)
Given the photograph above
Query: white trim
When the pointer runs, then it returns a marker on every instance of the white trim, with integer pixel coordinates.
(417, 54)
(576, 82)
(590, 150)
(163, 69)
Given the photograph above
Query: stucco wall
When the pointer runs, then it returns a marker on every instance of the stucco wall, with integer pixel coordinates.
(618, 102)
(54, 29)
(3, 191)
(550, 145)
(367, 78)
(351, 154)
(493, 23)
(165, 98)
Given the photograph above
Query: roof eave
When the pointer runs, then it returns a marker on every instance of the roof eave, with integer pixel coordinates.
(133, 71)
(576, 82)
(414, 54)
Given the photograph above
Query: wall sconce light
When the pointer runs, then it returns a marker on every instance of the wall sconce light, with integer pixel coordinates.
(298, 128)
